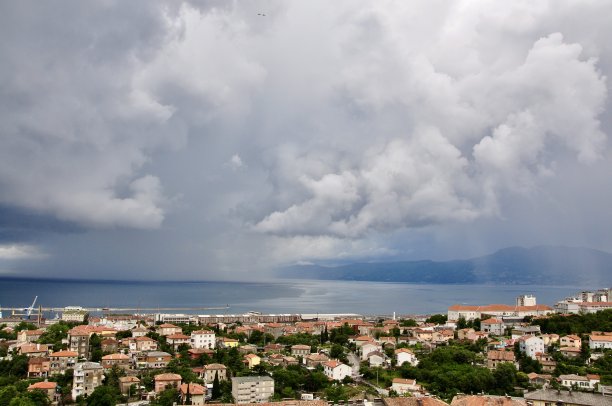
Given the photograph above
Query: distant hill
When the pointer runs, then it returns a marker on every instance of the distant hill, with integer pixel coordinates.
(545, 265)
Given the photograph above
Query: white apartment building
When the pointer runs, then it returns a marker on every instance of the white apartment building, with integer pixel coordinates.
(252, 389)
(526, 300)
(203, 339)
(531, 345)
(599, 340)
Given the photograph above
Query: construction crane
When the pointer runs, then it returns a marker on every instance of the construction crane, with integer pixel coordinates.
(28, 311)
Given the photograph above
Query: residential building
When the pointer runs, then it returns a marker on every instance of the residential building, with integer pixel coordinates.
(376, 359)
(176, 340)
(140, 344)
(553, 397)
(33, 350)
(38, 367)
(251, 360)
(368, 348)
(49, 388)
(167, 329)
(109, 345)
(403, 386)
(570, 341)
(570, 352)
(526, 300)
(598, 340)
(154, 359)
(29, 336)
(493, 326)
(121, 360)
(414, 401)
(140, 332)
(314, 360)
(60, 361)
(336, 370)
(126, 382)
(531, 345)
(496, 357)
(403, 355)
(212, 370)
(163, 381)
(487, 400)
(520, 331)
(300, 350)
(579, 382)
(78, 341)
(87, 377)
(203, 339)
(193, 393)
(252, 389)
(226, 342)
(539, 379)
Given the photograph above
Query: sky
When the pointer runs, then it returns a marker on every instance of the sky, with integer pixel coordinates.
(224, 139)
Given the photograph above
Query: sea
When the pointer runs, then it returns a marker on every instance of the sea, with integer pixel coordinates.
(276, 297)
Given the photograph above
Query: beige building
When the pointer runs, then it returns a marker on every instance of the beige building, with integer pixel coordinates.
(251, 360)
(87, 377)
(121, 360)
(60, 361)
(252, 389)
(196, 394)
(212, 370)
(47, 387)
(300, 350)
(162, 381)
(126, 382)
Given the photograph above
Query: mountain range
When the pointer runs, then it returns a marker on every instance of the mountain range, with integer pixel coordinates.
(543, 265)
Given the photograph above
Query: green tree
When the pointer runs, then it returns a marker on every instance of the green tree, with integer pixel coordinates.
(336, 393)
(216, 389)
(104, 396)
(166, 398)
(437, 319)
(7, 394)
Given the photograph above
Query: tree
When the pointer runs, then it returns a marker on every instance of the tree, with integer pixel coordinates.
(166, 398)
(461, 323)
(336, 393)
(216, 389)
(437, 319)
(103, 396)
(336, 351)
(7, 394)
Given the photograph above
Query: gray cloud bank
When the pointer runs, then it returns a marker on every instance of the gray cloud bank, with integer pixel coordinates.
(200, 139)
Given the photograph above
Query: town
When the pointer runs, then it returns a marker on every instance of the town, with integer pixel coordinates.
(500, 354)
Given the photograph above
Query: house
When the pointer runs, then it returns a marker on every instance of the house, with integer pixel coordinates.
(29, 336)
(300, 350)
(274, 348)
(195, 353)
(252, 389)
(141, 344)
(87, 377)
(121, 360)
(60, 361)
(247, 348)
(368, 348)
(176, 340)
(48, 387)
(33, 350)
(336, 370)
(314, 360)
(539, 379)
(531, 345)
(547, 361)
(600, 340)
(251, 360)
(140, 332)
(486, 400)
(275, 329)
(212, 370)
(570, 352)
(496, 357)
(167, 329)
(361, 340)
(203, 339)
(226, 342)
(376, 359)
(192, 392)
(550, 338)
(126, 382)
(78, 341)
(521, 331)
(155, 359)
(403, 386)
(579, 382)
(493, 326)
(413, 401)
(405, 355)
(570, 341)
(38, 367)
(163, 381)
(548, 397)
(109, 345)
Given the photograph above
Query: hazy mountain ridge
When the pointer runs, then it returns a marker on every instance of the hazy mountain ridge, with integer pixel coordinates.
(549, 265)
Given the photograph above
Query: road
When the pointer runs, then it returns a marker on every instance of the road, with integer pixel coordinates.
(354, 361)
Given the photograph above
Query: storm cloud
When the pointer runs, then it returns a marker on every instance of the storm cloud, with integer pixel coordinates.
(206, 139)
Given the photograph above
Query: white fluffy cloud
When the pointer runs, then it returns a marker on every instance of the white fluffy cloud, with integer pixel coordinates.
(349, 121)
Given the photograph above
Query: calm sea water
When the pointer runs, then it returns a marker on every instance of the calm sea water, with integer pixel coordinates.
(284, 296)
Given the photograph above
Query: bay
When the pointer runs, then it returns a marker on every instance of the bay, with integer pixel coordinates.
(279, 296)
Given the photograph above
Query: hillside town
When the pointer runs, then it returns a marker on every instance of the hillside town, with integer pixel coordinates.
(495, 354)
